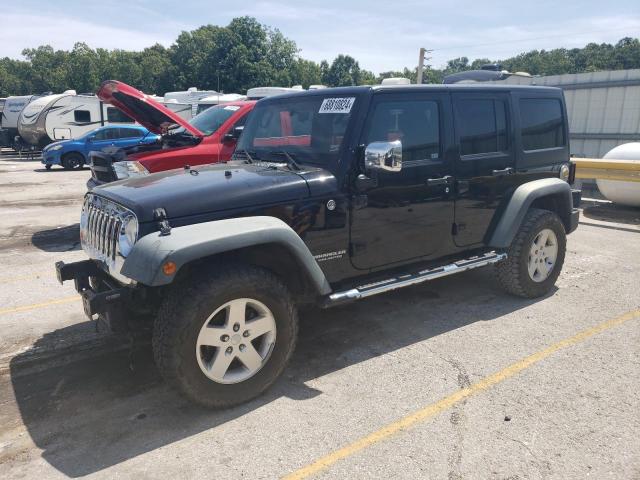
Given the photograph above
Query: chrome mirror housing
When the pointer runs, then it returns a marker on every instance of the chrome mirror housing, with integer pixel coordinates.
(385, 156)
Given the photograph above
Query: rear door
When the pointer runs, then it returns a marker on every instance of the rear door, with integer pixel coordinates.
(128, 137)
(103, 138)
(408, 214)
(484, 163)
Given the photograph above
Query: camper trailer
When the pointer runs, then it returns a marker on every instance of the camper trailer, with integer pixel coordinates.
(185, 110)
(65, 116)
(261, 92)
(217, 99)
(190, 96)
(9, 119)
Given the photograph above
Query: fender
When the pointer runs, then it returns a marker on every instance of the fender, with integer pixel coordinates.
(192, 242)
(521, 201)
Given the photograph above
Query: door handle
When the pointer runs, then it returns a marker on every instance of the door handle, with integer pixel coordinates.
(500, 173)
(434, 182)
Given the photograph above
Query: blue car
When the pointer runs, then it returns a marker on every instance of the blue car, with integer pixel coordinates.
(74, 153)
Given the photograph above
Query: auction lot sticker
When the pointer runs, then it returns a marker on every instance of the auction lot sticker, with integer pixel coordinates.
(337, 105)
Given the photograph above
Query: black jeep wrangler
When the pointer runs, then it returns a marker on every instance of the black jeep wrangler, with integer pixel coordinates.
(332, 196)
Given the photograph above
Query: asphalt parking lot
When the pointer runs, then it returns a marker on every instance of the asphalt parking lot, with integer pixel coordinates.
(452, 379)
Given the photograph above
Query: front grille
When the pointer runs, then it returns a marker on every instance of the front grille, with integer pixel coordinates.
(101, 225)
(102, 233)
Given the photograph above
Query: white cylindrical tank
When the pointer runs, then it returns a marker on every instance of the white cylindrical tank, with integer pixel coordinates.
(624, 193)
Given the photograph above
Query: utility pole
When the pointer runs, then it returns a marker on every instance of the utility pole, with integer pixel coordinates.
(423, 57)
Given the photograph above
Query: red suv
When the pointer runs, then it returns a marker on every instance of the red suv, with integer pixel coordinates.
(209, 137)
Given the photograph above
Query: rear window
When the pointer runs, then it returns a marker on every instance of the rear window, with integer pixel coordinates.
(116, 116)
(542, 123)
(483, 126)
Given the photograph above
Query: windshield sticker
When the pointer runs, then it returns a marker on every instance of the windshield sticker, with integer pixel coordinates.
(233, 108)
(337, 105)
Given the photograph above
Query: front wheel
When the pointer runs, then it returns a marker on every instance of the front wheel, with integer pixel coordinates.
(535, 257)
(225, 337)
(72, 160)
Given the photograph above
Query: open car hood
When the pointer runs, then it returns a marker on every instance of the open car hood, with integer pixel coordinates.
(142, 108)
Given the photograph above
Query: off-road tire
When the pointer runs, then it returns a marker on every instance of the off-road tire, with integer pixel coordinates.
(513, 272)
(183, 312)
(72, 160)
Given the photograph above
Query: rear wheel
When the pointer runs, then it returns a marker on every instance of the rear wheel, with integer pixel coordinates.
(224, 338)
(72, 160)
(535, 257)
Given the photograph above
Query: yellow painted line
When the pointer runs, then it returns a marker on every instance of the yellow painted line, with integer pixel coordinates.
(35, 306)
(447, 402)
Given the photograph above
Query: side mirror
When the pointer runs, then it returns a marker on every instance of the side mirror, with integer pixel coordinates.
(90, 139)
(233, 135)
(386, 156)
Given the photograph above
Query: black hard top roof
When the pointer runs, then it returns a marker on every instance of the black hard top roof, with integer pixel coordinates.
(502, 87)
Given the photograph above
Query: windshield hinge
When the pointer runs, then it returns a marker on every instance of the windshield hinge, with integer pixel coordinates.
(160, 215)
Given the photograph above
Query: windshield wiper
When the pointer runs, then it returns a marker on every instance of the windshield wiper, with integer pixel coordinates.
(248, 158)
(293, 165)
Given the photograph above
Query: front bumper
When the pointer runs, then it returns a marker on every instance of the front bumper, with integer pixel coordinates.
(102, 302)
(51, 157)
(574, 219)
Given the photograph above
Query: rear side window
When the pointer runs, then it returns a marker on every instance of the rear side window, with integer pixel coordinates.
(542, 123)
(82, 116)
(415, 123)
(129, 133)
(116, 116)
(483, 126)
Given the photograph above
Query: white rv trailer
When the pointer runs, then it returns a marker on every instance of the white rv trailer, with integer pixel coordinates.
(185, 110)
(191, 96)
(65, 116)
(13, 106)
(212, 100)
(261, 92)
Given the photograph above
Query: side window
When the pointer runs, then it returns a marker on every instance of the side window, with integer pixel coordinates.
(240, 123)
(542, 123)
(82, 116)
(111, 133)
(116, 116)
(129, 133)
(483, 126)
(101, 135)
(415, 123)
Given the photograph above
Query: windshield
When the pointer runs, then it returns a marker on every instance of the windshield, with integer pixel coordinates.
(309, 128)
(212, 118)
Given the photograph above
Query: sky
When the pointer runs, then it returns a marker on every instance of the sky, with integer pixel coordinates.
(381, 35)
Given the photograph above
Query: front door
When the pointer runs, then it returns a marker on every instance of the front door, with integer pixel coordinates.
(408, 214)
(484, 164)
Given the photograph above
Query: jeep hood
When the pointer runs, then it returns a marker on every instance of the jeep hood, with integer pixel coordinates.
(206, 189)
(142, 108)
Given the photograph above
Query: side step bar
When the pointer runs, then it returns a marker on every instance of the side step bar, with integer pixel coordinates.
(339, 298)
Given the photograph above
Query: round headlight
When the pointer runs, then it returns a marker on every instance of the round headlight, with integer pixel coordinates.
(564, 172)
(128, 235)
